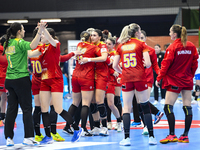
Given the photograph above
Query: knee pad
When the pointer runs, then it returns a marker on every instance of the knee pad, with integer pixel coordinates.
(117, 100)
(102, 110)
(93, 108)
(197, 88)
(145, 107)
(168, 109)
(187, 110)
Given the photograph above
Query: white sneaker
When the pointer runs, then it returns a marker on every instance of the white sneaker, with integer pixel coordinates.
(119, 127)
(95, 131)
(162, 101)
(104, 131)
(125, 142)
(193, 102)
(30, 142)
(109, 125)
(9, 142)
(152, 140)
(145, 131)
(155, 102)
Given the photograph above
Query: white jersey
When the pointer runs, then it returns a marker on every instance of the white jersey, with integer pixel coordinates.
(198, 69)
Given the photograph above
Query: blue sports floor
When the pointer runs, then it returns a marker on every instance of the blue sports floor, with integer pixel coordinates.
(138, 141)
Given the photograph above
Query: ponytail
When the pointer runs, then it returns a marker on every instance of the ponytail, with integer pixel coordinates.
(8, 34)
(124, 36)
(183, 36)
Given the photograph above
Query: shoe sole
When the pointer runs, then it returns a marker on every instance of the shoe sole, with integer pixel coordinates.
(66, 132)
(129, 144)
(159, 118)
(168, 142)
(103, 134)
(180, 141)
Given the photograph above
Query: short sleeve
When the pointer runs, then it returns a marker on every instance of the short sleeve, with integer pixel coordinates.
(24, 45)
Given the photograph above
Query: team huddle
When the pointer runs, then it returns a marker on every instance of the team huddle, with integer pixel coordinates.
(105, 66)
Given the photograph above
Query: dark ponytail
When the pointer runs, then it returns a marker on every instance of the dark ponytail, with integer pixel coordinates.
(12, 31)
(8, 34)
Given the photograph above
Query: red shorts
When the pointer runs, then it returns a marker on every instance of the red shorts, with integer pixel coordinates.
(36, 82)
(149, 84)
(139, 86)
(101, 84)
(2, 85)
(53, 85)
(81, 84)
(111, 88)
(177, 89)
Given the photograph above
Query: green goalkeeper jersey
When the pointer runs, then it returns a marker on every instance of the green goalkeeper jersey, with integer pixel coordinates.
(16, 54)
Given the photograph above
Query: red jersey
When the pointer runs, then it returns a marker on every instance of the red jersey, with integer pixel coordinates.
(131, 54)
(3, 63)
(86, 70)
(36, 62)
(179, 65)
(154, 65)
(101, 71)
(111, 70)
(50, 62)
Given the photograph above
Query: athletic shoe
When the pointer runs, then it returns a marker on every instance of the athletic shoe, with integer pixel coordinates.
(152, 140)
(162, 101)
(9, 142)
(104, 131)
(30, 142)
(145, 131)
(77, 135)
(158, 116)
(57, 137)
(125, 142)
(109, 125)
(155, 102)
(39, 138)
(116, 126)
(47, 140)
(183, 139)
(68, 130)
(136, 124)
(193, 101)
(95, 131)
(86, 133)
(119, 127)
(1, 123)
(169, 138)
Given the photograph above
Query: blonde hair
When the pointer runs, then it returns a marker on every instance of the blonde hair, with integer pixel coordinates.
(181, 33)
(124, 37)
(90, 30)
(128, 32)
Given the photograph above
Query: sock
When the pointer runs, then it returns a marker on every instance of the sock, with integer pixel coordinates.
(84, 115)
(53, 119)
(126, 121)
(36, 119)
(46, 123)
(67, 117)
(104, 122)
(136, 113)
(141, 114)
